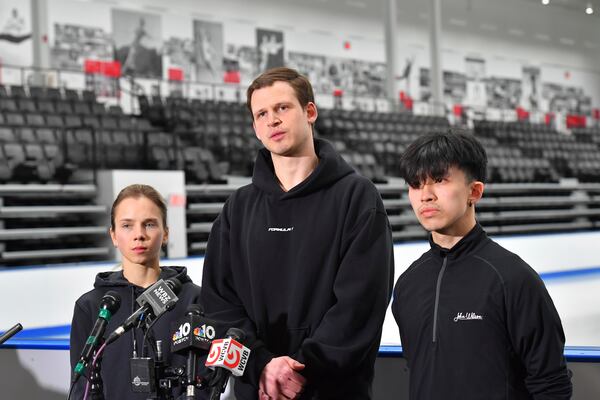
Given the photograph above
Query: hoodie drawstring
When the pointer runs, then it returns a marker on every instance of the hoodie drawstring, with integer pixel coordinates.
(133, 340)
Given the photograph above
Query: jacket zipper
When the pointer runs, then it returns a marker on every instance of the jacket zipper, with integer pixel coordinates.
(437, 298)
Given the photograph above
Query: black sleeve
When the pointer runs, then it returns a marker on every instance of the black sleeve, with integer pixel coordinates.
(537, 336)
(350, 331)
(81, 326)
(221, 301)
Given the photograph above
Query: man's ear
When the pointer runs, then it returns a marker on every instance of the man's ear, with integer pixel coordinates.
(311, 112)
(477, 188)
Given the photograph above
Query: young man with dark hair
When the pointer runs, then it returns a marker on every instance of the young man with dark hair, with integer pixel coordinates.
(302, 258)
(476, 321)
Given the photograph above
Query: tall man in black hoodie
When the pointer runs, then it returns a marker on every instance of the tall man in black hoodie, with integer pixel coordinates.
(476, 321)
(302, 258)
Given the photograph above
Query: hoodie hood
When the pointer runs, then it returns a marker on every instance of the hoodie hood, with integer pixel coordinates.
(116, 278)
(331, 168)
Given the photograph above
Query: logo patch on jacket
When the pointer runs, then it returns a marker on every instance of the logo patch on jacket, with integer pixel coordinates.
(291, 228)
(470, 316)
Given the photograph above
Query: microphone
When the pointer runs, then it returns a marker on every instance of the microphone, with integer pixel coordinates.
(227, 357)
(156, 300)
(109, 304)
(192, 334)
(10, 333)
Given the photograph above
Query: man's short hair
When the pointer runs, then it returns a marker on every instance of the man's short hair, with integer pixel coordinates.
(301, 85)
(432, 155)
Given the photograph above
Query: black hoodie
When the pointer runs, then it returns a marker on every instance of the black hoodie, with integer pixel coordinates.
(476, 322)
(115, 361)
(306, 273)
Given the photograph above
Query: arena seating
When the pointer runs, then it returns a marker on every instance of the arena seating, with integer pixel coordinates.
(372, 141)
(525, 152)
(222, 129)
(51, 141)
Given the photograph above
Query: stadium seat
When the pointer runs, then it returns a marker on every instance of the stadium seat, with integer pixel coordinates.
(8, 105)
(71, 95)
(26, 105)
(54, 121)
(17, 91)
(46, 107)
(7, 135)
(14, 119)
(35, 120)
(64, 107)
(82, 108)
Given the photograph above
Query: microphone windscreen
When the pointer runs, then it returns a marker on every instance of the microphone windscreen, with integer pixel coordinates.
(111, 300)
(195, 309)
(236, 334)
(174, 284)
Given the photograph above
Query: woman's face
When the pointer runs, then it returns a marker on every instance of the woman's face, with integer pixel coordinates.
(139, 232)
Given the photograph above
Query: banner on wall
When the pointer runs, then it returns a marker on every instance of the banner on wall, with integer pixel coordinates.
(531, 88)
(74, 44)
(455, 87)
(208, 49)
(476, 90)
(368, 78)
(314, 67)
(138, 38)
(356, 77)
(179, 56)
(565, 99)
(503, 93)
(405, 76)
(241, 60)
(270, 48)
(15, 32)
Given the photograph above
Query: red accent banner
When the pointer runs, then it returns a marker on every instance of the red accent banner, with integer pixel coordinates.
(232, 77)
(111, 69)
(177, 200)
(522, 114)
(457, 110)
(175, 74)
(576, 121)
(91, 66)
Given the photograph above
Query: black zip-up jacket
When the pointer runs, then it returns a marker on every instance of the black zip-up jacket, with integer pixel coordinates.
(476, 322)
(115, 361)
(306, 273)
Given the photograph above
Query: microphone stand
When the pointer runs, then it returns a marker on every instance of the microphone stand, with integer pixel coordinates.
(10, 333)
(96, 385)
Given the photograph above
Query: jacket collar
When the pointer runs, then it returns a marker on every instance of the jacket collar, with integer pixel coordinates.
(467, 245)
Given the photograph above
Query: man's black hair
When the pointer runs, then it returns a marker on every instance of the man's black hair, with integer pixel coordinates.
(432, 155)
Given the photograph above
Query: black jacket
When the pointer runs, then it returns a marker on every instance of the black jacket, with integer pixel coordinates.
(476, 322)
(307, 273)
(115, 361)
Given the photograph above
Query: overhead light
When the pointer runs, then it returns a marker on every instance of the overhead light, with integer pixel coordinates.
(545, 2)
(589, 9)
